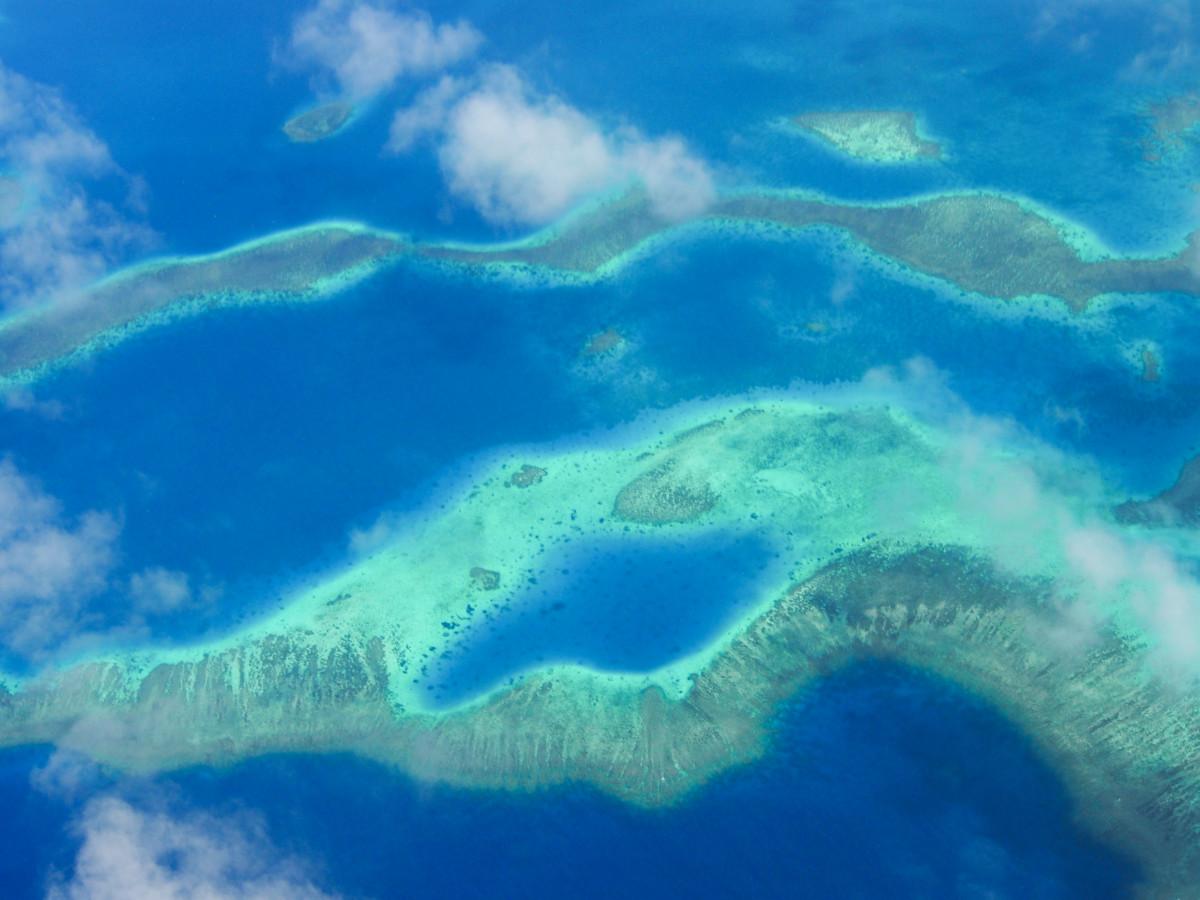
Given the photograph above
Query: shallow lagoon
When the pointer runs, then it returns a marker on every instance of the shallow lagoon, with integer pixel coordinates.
(379, 395)
(628, 605)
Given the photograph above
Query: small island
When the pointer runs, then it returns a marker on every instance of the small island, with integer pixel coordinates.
(318, 123)
(878, 136)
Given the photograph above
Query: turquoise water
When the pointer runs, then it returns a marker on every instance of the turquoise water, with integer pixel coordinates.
(247, 466)
(242, 448)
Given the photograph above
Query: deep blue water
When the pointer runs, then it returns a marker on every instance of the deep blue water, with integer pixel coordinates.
(628, 605)
(882, 782)
(243, 447)
(195, 105)
(240, 477)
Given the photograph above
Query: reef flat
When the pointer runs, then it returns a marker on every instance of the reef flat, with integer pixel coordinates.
(883, 560)
(873, 135)
(987, 245)
(318, 123)
(297, 265)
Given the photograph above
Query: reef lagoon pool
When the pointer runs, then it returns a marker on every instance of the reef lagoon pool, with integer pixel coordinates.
(629, 604)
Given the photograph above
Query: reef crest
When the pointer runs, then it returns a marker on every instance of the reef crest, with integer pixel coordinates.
(341, 667)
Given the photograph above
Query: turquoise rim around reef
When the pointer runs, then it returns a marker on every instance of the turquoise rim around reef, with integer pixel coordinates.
(864, 494)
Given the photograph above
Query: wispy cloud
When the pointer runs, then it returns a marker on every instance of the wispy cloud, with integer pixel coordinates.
(1037, 510)
(50, 566)
(1164, 41)
(1104, 574)
(54, 238)
(69, 774)
(426, 115)
(1163, 594)
(138, 852)
(519, 156)
(23, 399)
(54, 565)
(366, 47)
(364, 540)
(157, 590)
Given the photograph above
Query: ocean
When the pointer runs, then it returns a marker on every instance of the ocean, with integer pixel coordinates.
(243, 447)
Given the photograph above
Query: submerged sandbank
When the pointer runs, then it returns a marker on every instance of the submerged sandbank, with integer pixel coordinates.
(872, 135)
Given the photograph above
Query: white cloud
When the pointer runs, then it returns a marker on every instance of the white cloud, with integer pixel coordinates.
(924, 385)
(364, 540)
(67, 775)
(367, 47)
(22, 399)
(516, 157)
(1033, 518)
(1164, 597)
(49, 566)
(1170, 40)
(157, 590)
(845, 284)
(521, 157)
(53, 238)
(1039, 512)
(426, 115)
(132, 853)
(679, 184)
(1103, 574)
(52, 566)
